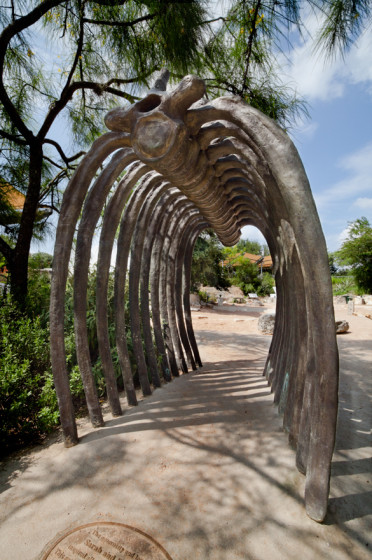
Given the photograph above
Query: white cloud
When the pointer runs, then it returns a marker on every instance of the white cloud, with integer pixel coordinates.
(343, 235)
(304, 130)
(253, 234)
(315, 77)
(364, 203)
(358, 167)
(358, 61)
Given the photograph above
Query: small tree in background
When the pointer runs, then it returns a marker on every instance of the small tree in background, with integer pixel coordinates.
(356, 252)
(207, 261)
(246, 275)
(38, 261)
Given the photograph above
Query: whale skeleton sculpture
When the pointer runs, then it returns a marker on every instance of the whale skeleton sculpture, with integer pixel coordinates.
(170, 167)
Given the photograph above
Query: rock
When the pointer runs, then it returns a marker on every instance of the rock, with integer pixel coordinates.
(342, 327)
(194, 300)
(266, 323)
(339, 299)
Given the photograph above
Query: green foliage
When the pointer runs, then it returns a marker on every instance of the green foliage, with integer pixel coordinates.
(38, 261)
(342, 285)
(343, 22)
(206, 267)
(92, 335)
(221, 267)
(267, 283)
(356, 252)
(77, 59)
(245, 275)
(38, 297)
(203, 296)
(247, 246)
(332, 264)
(241, 57)
(28, 405)
(206, 298)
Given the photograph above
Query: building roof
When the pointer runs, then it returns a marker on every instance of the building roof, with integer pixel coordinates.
(14, 197)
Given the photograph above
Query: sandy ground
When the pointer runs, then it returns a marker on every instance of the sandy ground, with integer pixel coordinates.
(203, 465)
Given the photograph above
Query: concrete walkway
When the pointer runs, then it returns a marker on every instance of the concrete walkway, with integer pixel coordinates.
(204, 467)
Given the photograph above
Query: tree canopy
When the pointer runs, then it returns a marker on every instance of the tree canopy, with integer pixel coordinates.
(76, 59)
(206, 266)
(69, 61)
(356, 252)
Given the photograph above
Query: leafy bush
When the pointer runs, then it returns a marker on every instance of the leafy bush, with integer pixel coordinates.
(356, 252)
(207, 298)
(92, 336)
(345, 285)
(207, 269)
(28, 405)
(203, 296)
(266, 286)
(38, 296)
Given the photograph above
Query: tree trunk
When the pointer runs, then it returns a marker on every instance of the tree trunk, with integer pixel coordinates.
(19, 263)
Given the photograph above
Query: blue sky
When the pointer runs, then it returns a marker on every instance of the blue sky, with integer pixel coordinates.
(335, 144)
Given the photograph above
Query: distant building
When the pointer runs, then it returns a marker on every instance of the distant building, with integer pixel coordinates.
(16, 201)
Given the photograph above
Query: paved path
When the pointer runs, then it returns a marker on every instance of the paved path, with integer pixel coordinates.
(203, 466)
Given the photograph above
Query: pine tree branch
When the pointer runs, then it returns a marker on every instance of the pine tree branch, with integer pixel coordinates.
(123, 24)
(97, 88)
(16, 139)
(52, 162)
(214, 20)
(248, 52)
(66, 159)
(64, 97)
(6, 36)
(6, 249)
(122, 81)
(110, 3)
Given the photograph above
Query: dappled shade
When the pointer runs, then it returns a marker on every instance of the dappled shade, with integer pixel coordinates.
(170, 167)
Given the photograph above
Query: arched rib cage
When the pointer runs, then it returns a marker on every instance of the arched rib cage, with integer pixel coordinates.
(168, 169)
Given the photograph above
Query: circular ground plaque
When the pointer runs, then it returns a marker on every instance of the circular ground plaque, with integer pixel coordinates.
(103, 539)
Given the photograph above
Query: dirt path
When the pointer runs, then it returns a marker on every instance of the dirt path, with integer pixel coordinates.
(203, 464)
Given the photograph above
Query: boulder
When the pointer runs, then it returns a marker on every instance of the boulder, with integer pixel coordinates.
(342, 327)
(194, 300)
(266, 323)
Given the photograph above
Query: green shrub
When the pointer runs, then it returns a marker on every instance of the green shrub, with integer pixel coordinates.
(38, 296)
(203, 296)
(247, 288)
(342, 285)
(266, 286)
(28, 405)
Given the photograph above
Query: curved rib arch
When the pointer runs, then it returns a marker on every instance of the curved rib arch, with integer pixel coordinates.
(187, 167)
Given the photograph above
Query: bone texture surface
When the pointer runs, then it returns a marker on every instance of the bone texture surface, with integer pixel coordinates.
(170, 167)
